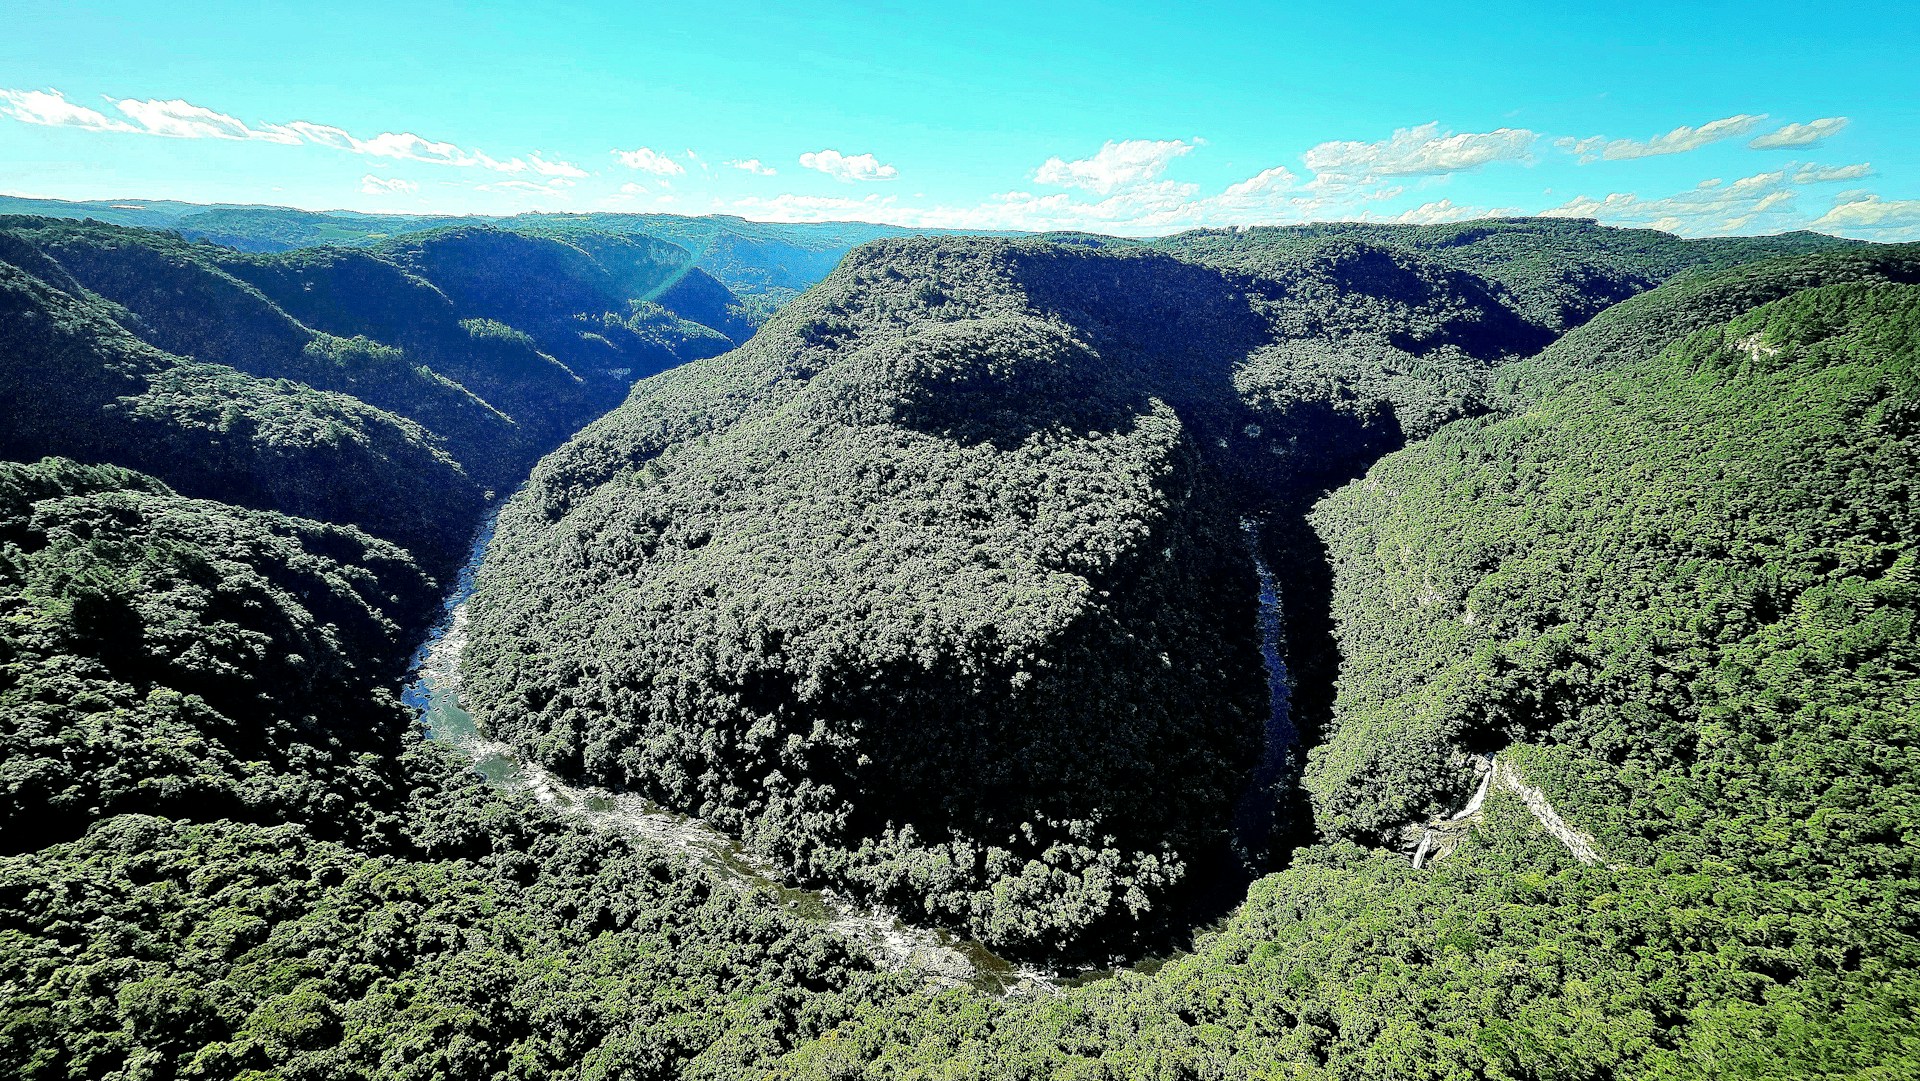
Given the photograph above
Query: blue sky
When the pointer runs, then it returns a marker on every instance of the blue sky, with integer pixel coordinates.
(1113, 117)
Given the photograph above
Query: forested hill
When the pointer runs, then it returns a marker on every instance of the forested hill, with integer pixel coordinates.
(389, 388)
(1595, 562)
(938, 590)
(765, 264)
(1558, 274)
(1672, 604)
(225, 851)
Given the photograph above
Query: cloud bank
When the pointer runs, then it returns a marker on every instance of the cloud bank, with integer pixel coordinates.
(850, 168)
(177, 119)
(1421, 151)
(648, 160)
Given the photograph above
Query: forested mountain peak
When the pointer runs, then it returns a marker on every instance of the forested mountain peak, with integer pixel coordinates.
(956, 482)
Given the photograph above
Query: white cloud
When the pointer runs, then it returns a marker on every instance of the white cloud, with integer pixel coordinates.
(789, 207)
(1116, 165)
(541, 191)
(1764, 202)
(1827, 174)
(1143, 208)
(1806, 134)
(179, 119)
(1758, 182)
(649, 161)
(1678, 141)
(1866, 214)
(544, 167)
(406, 146)
(374, 185)
(51, 108)
(641, 195)
(1274, 196)
(847, 167)
(1439, 211)
(751, 165)
(1278, 178)
(1421, 151)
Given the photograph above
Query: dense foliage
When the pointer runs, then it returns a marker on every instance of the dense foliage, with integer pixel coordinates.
(946, 613)
(1681, 600)
(1556, 273)
(1635, 330)
(883, 592)
(74, 381)
(224, 851)
(764, 264)
(938, 590)
(180, 656)
(389, 388)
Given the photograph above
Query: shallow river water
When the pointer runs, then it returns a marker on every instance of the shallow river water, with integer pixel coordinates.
(434, 691)
(941, 957)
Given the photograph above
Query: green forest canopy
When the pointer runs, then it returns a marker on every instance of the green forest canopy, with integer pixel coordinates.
(1662, 569)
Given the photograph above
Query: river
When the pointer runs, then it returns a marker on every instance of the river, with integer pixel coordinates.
(941, 957)
(1253, 816)
(434, 691)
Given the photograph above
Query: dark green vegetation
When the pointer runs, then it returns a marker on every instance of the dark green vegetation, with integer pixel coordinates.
(1058, 607)
(1679, 598)
(224, 851)
(936, 590)
(1555, 274)
(145, 629)
(388, 388)
(764, 264)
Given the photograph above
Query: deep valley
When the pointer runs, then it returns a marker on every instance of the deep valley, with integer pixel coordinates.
(628, 646)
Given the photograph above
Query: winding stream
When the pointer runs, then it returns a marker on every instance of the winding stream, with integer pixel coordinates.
(942, 958)
(1253, 814)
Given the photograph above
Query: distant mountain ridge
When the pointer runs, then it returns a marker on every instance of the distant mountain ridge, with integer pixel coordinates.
(765, 263)
(388, 386)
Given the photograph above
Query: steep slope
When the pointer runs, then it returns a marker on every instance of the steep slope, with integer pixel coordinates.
(940, 611)
(336, 383)
(75, 382)
(763, 264)
(1558, 272)
(1679, 598)
(576, 303)
(1638, 329)
(354, 293)
(1757, 461)
(766, 264)
(696, 296)
(225, 852)
(174, 296)
(267, 633)
(936, 589)
(648, 269)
